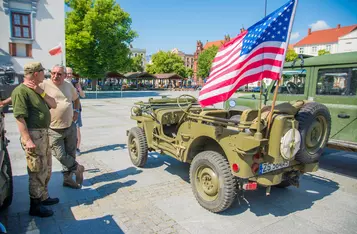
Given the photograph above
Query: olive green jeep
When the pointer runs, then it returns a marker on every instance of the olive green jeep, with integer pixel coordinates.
(6, 180)
(328, 79)
(226, 152)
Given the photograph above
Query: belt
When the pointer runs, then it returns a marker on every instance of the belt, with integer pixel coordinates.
(38, 129)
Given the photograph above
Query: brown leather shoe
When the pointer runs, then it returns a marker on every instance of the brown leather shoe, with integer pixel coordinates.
(79, 174)
(69, 182)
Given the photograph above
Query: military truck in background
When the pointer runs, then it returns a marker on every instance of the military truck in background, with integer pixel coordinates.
(327, 79)
(6, 180)
(9, 79)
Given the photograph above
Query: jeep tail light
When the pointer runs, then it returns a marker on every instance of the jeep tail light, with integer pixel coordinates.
(250, 186)
(235, 167)
(255, 168)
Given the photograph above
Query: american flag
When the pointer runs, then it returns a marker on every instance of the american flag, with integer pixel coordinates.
(257, 53)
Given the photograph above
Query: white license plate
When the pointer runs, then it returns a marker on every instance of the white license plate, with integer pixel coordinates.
(267, 167)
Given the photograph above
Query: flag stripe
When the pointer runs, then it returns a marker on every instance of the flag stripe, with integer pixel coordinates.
(228, 46)
(219, 59)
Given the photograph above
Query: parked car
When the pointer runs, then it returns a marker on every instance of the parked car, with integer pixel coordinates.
(327, 79)
(9, 79)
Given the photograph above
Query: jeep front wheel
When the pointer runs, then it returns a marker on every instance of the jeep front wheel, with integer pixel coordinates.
(212, 181)
(137, 145)
(7, 165)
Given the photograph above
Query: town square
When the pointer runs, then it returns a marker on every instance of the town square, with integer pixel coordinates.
(105, 131)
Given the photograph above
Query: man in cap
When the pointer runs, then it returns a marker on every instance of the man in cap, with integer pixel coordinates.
(63, 132)
(31, 110)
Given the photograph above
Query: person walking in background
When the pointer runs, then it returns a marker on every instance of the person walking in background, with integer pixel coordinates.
(31, 110)
(63, 133)
(77, 85)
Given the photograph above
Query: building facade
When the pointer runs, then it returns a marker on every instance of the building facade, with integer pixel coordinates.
(29, 29)
(187, 58)
(334, 40)
(134, 52)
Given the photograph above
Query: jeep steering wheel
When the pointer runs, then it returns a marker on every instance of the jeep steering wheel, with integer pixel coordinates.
(185, 112)
(292, 88)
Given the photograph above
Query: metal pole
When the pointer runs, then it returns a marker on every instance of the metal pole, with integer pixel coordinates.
(258, 134)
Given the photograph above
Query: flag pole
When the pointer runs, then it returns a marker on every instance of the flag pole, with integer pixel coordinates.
(258, 134)
(281, 71)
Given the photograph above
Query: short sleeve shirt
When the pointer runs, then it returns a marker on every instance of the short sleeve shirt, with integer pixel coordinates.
(31, 106)
(65, 94)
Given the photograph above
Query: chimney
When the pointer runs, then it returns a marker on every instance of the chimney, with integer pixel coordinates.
(338, 25)
(309, 31)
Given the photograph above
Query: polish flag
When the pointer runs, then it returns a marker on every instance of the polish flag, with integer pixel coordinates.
(56, 50)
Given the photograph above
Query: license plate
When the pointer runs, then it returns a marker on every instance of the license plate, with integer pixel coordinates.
(267, 167)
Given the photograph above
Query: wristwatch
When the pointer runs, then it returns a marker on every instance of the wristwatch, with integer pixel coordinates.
(76, 110)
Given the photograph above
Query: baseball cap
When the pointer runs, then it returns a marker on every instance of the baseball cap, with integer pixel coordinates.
(32, 67)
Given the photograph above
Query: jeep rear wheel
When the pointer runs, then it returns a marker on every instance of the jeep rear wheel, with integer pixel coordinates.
(212, 182)
(137, 145)
(8, 200)
(314, 127)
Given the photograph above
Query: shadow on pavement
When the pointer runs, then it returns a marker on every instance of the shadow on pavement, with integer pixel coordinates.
(283, 202)
(17, 220)
(113, 147)
(339, 162)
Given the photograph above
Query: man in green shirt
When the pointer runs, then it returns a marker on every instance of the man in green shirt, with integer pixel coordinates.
(31, 110)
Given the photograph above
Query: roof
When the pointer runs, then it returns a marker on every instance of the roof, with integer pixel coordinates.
(139, 75)
(218, 43)
(327, 59)
(325, 36)
(114, 75)
(168, 76)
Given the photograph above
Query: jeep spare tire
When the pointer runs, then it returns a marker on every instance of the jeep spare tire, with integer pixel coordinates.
(314, 127)
(137, 146)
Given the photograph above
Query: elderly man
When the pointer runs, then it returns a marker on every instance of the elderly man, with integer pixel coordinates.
(63, 132)
(31, 110)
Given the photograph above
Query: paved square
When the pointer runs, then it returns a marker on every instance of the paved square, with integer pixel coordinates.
(120, 198)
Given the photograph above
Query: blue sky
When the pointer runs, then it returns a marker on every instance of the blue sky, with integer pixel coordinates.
(168, 24)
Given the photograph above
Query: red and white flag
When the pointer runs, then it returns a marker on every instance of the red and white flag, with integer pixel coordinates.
(257, 53)
(56, 50)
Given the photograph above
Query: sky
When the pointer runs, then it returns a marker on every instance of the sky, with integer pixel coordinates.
(168, 24)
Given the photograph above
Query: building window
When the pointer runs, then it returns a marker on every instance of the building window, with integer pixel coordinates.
(20, 50)
(21, 25)
(328, 47)
(314, 49)
(337, 82)
(301, 51)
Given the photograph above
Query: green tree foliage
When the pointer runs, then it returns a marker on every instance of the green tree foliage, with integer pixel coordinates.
(136, 64)
(189, 72)
(322, 52)
(166, 62)
(98, 33)
(291, 55)
(205, 60)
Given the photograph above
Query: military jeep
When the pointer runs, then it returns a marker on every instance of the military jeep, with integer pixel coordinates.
(226, 152)
(6, 180)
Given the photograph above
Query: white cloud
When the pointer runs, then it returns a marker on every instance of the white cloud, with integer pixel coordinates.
(319, 25)
(294, 36)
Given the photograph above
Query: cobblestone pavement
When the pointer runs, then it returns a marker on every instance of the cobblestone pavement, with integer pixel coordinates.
(120, 198)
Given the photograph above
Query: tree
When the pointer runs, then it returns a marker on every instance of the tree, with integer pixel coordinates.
(166, 62)
(98, 33)
(322, 52)
(189, 72)
(136, 64)
(205, 60)
(291, 55)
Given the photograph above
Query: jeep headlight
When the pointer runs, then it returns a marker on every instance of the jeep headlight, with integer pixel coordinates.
(232, 103)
